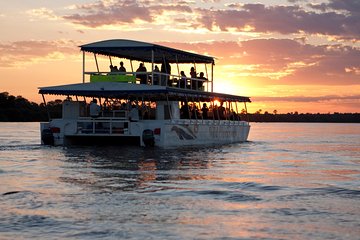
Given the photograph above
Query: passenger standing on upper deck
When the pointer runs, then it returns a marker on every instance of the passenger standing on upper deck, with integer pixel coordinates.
(165, 68)
(122, 68)
(192, 72)
(183, 80)
(156, 75)
(193, 75)
(142, 76)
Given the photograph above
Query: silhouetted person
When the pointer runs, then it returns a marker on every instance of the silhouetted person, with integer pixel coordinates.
(122, 68)
(192, 72)
(165, 68)
(142, 76)
(94, 109)
(205, 111)
(221, 111)
(234, 116)
(156, 75)
(200, 83)
(112, 69)
(184, 111)
(193, 75)
(194, 112)
(183, 80)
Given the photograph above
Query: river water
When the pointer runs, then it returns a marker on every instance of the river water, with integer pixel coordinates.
(290, 181)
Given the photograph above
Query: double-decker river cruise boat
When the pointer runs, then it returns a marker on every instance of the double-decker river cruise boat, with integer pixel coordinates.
(161, 107)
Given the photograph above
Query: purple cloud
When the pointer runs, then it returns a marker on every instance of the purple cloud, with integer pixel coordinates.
(120, 12)
(336, 18)
(285, 19)
(352, 6)
(99, 14)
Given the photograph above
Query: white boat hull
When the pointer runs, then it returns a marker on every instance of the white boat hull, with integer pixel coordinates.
(166, 133)
(207, 132)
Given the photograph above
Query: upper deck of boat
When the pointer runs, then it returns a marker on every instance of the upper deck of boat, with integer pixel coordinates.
(155, 84)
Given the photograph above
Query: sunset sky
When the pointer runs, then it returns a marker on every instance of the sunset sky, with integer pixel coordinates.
(288, 55)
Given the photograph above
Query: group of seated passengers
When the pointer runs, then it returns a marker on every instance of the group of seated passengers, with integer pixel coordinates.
(163, 79)
(192, 111)
(218, 112)
(114, 69)
(134, 110)
(158, 79)
(187, 111)
(194, 83)
(141, 69)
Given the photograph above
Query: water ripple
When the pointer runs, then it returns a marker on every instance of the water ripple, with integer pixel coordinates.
(289, 182)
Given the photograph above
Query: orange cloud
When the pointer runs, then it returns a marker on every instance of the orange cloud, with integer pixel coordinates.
(15, 54)
(284, 61)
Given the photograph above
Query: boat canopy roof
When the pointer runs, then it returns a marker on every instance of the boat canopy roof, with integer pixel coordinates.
(142, 51)
(137, 91)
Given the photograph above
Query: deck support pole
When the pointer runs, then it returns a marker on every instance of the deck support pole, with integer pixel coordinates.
(169, 107)
(132, 68)
(83, 66)
(213, 108)
(46, 107)
(177, 65)
(207, 77)
(152, 67)
(227, 107)
(200, 108)
(187, 103)
(212, 77)
(237, 112)
(97, 65)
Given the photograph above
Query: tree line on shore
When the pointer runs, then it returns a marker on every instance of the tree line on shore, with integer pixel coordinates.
(19, 109)
(304, 117)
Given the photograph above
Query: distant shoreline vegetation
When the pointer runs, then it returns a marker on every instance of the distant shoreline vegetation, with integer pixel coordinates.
(19, 109)
(304, 117)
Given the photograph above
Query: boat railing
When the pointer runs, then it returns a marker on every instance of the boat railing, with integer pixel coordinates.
(109, 114)
(102, 126)
(151, 78)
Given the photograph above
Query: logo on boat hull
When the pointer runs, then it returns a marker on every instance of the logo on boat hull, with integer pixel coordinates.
(183, 132)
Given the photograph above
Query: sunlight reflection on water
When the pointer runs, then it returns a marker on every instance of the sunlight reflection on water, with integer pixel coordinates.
(289, 181)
